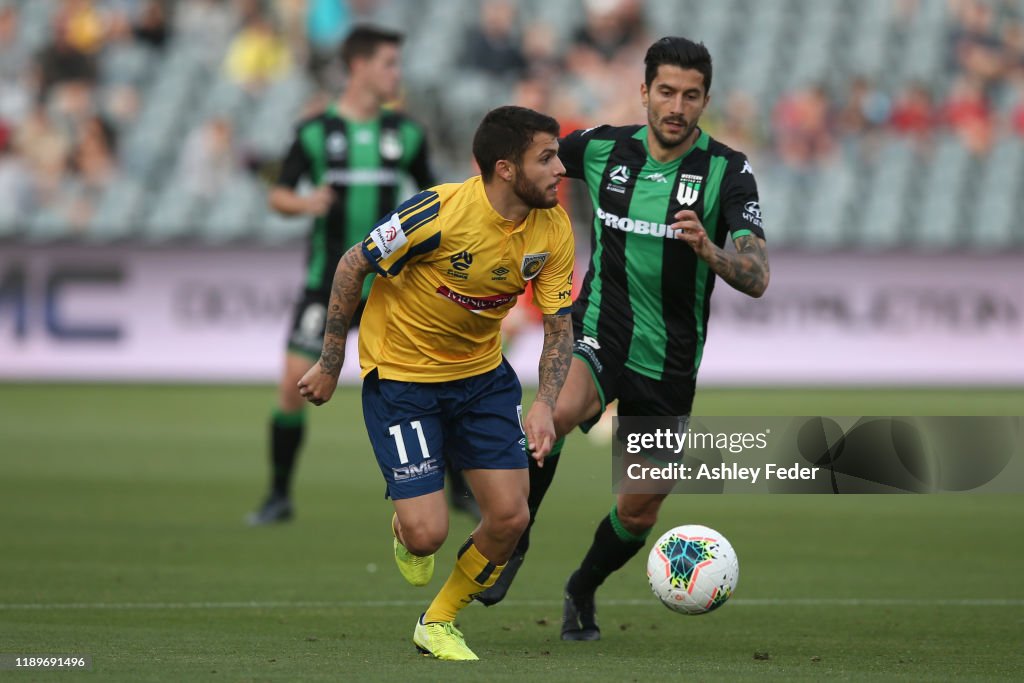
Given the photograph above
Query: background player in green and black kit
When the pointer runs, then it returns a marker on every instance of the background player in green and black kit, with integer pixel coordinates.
(665, 198)
(356, 154)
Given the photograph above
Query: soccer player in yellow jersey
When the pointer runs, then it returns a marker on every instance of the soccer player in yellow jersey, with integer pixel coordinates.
(436, 389)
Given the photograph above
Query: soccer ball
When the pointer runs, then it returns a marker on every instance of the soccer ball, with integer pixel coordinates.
(693, 569)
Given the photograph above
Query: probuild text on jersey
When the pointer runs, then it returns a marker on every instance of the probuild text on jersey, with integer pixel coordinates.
(635, 226)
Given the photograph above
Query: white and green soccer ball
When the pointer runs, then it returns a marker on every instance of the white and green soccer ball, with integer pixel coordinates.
(693, 569)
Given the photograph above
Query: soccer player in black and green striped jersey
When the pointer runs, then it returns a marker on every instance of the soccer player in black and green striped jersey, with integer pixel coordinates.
(666, 198)
(356, 154)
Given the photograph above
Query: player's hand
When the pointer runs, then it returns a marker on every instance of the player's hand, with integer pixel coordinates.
(539, 426)
(317, 386)
(318, 202)
(689, 229)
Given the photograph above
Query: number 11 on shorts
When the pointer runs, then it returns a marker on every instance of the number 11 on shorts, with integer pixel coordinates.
(396, 431)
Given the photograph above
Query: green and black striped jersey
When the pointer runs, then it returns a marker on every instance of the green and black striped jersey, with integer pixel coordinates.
(364, 162)
(646, 293)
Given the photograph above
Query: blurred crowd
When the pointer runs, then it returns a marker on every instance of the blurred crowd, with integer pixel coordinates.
(980, 100)
(72, 88)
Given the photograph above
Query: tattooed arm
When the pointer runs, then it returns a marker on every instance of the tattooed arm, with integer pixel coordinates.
(746, 270)
(318, 384)
(553, 369)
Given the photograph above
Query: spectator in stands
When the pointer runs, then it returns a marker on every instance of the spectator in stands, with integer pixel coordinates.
(84, 27)
(121, 104)
(913, 113)
(150, 27)
(603, 54)
(206, 25)
(738, 124)
(14, 57)
(15, 183)
(258, 55)
(540, 49)
(864, 110)
(861, 118)
(968, 113)
(1015, 117)
(803, 130)
(209, 159)
(17, 70)
(493, 44)
(92, 168)
(974, 45)
(45, 149)
(94, 158)
(327, 22)
(608, 27)
(62, 62)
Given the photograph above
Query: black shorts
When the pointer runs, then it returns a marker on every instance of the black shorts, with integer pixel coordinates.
(637, 394)
(309, 319)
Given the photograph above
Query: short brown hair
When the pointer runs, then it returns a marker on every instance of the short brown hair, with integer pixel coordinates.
(364, 40)
(506, 133)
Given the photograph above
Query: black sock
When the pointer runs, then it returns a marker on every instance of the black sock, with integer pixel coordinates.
(540, 481)
(286, 432)
(613, 547)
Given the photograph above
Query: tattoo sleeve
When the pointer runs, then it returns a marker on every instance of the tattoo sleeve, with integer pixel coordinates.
(345, 295)
(555, 357)
(747, 269)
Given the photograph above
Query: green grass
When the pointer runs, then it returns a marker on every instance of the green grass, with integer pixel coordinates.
(121, 538)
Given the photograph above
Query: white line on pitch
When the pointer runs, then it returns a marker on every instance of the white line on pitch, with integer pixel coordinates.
(341, 604)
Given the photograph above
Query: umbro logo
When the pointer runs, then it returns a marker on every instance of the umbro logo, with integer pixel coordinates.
(500, 273)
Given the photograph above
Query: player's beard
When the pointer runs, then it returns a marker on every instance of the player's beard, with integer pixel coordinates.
(666, 142)
(530, 195)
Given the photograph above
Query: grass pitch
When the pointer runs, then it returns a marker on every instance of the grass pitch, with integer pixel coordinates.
(122, 538)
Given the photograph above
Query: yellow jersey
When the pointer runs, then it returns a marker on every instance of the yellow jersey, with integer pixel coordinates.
(451, 268)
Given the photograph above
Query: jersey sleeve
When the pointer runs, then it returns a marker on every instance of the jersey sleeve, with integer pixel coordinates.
(552, 288)
(295, 165)
(741, 208)
(571, 149)
(408, 233)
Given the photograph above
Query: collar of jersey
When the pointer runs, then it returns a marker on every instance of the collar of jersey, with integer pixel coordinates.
(504, 224)
(700, 143)
(332, 110)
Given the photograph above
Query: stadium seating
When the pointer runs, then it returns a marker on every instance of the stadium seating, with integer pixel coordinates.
(888, 195)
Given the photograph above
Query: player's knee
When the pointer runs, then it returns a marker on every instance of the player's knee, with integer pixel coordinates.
(519, 521)
(508, 525)
(639, 521)
(423, 539)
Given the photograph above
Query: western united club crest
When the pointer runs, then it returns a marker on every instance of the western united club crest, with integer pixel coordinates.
(532, 264)
(689, 189)
(336, 145)
(390, 145)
